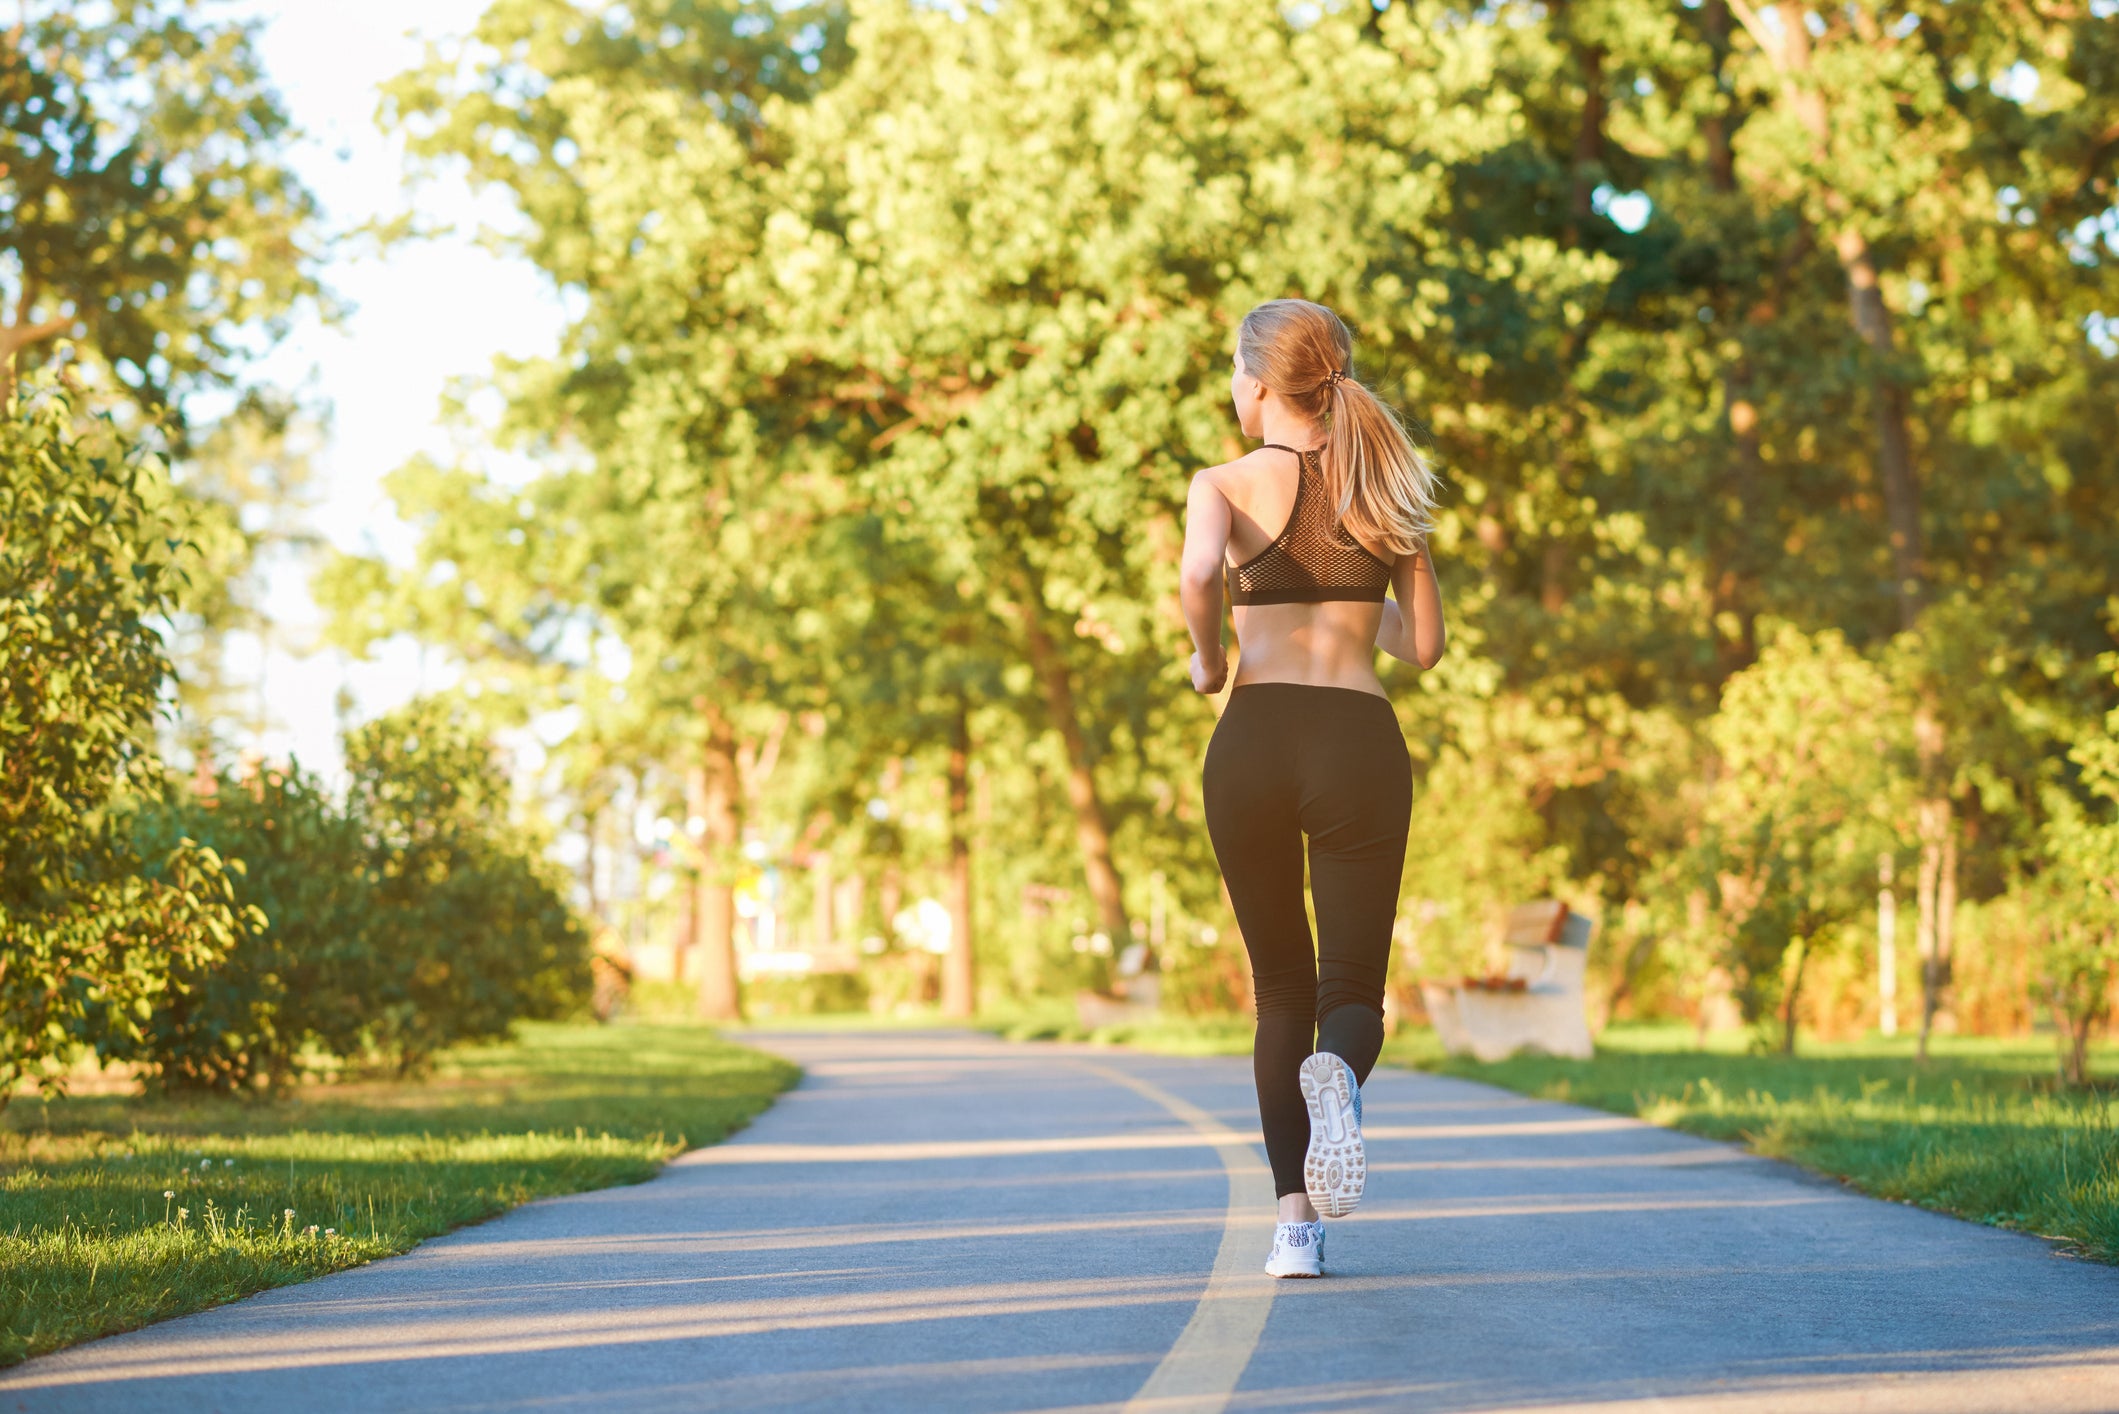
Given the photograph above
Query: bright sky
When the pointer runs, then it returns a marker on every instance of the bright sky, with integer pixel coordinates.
(422, 315)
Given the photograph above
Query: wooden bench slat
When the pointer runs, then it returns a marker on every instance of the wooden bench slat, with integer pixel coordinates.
(1530, 924)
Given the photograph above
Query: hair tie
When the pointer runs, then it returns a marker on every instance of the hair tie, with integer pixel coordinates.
(1335, 378)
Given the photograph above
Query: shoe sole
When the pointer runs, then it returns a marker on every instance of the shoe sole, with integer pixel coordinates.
(1293, 1276)
(1336, 1168)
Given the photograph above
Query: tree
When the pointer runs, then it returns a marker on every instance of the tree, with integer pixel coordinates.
(472, 926)
(1805, 798)
(306, 979)
(635, 144)
(147, 208)
(249, 477)
(1047, 306)
(904, 323)
(92, 931)
(1911, 135)
(2075, 899)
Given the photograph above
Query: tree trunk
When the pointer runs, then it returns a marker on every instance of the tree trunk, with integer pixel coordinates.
(1894, 443)
(1886, 948)
(1735, 589)
(16, 337)
(1092, 831)
(720, 995)
(1788, 46)
(684, 954)
(2073, 1029)
(960, 996)
(1552, 577)
(1792, 996)
(1934, 821)
(851, 895)
(591, 826)
(822, 918)
(1637, 958)
(1721, 152)
(1589, 141)
(1584, 173)
(890, 897)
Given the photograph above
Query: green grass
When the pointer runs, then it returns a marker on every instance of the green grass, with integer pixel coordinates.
(1981, 1131)
(262, 1193)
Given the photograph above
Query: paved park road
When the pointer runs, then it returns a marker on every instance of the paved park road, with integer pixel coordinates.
(943, 1222)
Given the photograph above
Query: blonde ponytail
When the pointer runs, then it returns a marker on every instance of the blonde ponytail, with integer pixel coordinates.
(1382, 487)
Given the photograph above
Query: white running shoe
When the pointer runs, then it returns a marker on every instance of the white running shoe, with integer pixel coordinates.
(1298, 1251)
(1337, 1167)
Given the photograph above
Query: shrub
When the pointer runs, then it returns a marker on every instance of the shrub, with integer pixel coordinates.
(410, 917)
(91, 928)
(471, 926)
(302, 979)
(2079, 888)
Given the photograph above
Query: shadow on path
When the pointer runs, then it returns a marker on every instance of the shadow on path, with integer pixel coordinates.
(944, 1222)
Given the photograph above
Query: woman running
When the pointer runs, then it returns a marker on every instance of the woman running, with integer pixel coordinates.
(1313, 528)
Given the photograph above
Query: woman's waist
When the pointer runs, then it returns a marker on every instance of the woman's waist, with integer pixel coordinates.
(1356, 678)
(1330, 663)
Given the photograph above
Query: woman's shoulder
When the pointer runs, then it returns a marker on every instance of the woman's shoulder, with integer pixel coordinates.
(1234, 479)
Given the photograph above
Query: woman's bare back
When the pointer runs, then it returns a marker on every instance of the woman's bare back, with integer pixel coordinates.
(1324, 645)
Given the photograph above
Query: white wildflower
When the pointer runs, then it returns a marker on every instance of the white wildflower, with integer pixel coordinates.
(169, 1193)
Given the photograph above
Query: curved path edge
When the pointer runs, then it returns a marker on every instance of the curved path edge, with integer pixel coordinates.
(946, 1222)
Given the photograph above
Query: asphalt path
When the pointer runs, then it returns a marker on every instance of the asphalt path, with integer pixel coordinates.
(939, 1221)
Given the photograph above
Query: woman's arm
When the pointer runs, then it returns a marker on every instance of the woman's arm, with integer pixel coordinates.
(1199, 581)
(1411, 630)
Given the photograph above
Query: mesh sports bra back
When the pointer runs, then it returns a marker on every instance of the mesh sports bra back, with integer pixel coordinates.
(1313, 560)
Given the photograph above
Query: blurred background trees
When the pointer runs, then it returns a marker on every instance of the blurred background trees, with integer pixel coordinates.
(1720, 316)
(228, 925)
(1767, 351)
(148, 215)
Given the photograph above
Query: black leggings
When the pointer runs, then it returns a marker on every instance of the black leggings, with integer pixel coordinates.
(1289, 760)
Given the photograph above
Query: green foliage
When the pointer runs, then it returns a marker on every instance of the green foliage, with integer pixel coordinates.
(92, 929)
(300, 982)
(146, 203)
(2075, 900)
(1468, 865)
(902, 328)
(1810, 757)
(89, 1245)
(472, 929)
(411, 917)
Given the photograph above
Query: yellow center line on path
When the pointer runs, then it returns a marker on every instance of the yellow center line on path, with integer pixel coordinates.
(1200, 1371)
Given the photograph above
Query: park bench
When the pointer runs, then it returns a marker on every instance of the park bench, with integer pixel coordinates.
(1536, 1004)
(1136, 994)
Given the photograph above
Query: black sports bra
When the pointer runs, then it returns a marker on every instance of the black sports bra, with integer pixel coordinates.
(1313, 560)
